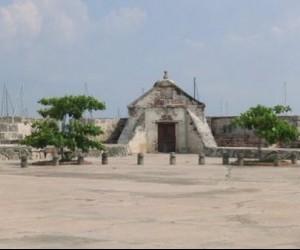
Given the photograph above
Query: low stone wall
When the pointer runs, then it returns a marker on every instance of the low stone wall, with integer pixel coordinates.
(113, 150)
(14, 152)
(10, 152)
(117, 150)
(252, 153)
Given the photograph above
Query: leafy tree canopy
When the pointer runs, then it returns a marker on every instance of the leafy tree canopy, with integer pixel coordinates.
(266, 123)
(46, 132)
(52, 131)
(73, 106)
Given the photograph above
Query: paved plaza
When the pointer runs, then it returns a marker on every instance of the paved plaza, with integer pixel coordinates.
(122, 205)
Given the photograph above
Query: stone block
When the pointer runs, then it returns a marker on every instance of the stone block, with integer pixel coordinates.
(2, 136)
(116, 150)
(6, 119)
(11, 137)
(13, 128)
(3, 127)
(20, 137)
(17, 119)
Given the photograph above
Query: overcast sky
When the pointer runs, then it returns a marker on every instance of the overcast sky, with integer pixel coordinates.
(242, 52)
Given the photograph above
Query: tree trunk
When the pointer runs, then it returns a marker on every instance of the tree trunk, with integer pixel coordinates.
(62, 153)
(259, 149)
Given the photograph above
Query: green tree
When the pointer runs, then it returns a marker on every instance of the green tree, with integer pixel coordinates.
(46, 132)
(63, 125)
(266, 124)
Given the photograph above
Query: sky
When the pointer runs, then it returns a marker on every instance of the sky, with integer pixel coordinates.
(240, 52)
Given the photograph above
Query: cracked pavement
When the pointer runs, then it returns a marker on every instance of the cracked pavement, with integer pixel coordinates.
(122, 205)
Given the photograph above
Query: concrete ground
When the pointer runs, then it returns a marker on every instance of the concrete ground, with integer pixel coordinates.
(123, 205)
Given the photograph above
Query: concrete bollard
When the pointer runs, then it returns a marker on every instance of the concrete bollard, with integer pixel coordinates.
(80, 160)
(201, 159)
(276, 160)
(104, 158)
(225, 158)
(140, 159)
(294, 158)
(173, 159)
(24, 161)
(55, 160)
(241, 159)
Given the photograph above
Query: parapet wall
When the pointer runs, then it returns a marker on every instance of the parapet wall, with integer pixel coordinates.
(14, 129)
(252, 153)
(112, 128)
(227, 135)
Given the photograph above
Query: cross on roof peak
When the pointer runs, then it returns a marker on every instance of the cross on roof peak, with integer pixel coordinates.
(166, 74)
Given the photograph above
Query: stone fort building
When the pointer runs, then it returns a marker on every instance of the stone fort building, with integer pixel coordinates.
(166, 119)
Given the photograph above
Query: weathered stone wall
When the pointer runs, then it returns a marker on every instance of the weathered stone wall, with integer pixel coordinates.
(227, 135)
(14, 152)
(112, 129)
(295, 121)
(14, 129)
(112, 150)
(252, 153)
(11, 152)
(141, 131)
(199, 129)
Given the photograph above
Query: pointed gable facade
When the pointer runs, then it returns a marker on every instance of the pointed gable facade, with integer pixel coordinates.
(166, 119)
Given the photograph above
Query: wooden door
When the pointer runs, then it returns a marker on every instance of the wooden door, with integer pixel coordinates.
(166, 137)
